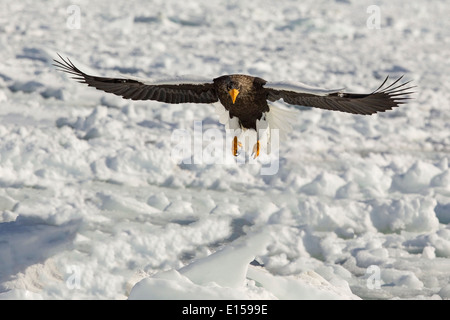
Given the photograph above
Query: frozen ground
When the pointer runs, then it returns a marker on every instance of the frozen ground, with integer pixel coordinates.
(94, 206)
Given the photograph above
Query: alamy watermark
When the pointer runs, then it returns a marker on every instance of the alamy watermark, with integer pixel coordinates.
(73, 281)
(374, 19)
(73, 17)
(211, 146)
(374, 279)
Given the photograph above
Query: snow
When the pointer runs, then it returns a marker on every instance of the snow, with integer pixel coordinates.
(93, 204)
(215, 277)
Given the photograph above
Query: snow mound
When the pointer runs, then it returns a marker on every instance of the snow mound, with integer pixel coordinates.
(417, 178)
(413, 213)
(227, 274)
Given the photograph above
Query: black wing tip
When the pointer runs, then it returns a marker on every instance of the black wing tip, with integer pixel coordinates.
(392, 86)
(387, 96)
(67, 66)
(396, 91)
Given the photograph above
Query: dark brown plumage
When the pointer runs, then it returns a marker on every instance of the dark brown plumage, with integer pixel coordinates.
(251, 102)
(245, 97)
(380, 100)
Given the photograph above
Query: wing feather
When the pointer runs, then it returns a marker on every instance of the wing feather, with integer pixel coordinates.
(382, 99)
(169, 91)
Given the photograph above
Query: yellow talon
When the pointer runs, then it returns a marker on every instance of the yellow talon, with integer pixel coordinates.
(235, 145)
(256, 149)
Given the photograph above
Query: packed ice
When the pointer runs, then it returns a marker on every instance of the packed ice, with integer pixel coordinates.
(93, 204)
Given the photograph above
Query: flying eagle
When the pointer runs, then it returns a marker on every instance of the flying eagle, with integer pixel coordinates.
(245, 98)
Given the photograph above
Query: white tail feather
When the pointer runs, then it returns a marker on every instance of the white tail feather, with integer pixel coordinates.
(281, 118)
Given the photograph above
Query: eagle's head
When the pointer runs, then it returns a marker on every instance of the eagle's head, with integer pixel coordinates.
(236, 84)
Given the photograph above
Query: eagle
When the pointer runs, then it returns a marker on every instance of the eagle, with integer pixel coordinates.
(244, 100)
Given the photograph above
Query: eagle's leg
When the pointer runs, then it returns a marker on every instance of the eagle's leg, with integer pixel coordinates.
(256, 147)
(235, 146)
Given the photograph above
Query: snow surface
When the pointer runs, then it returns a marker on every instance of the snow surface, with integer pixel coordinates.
(93, 205)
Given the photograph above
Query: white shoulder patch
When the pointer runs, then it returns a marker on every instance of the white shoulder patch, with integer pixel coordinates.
(299, 87)
(195, 80)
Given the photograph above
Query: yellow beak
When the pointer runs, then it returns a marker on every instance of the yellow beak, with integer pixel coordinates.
(233, 93)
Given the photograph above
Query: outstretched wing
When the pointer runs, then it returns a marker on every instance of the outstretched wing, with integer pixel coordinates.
(170, 91)
(382, 99)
